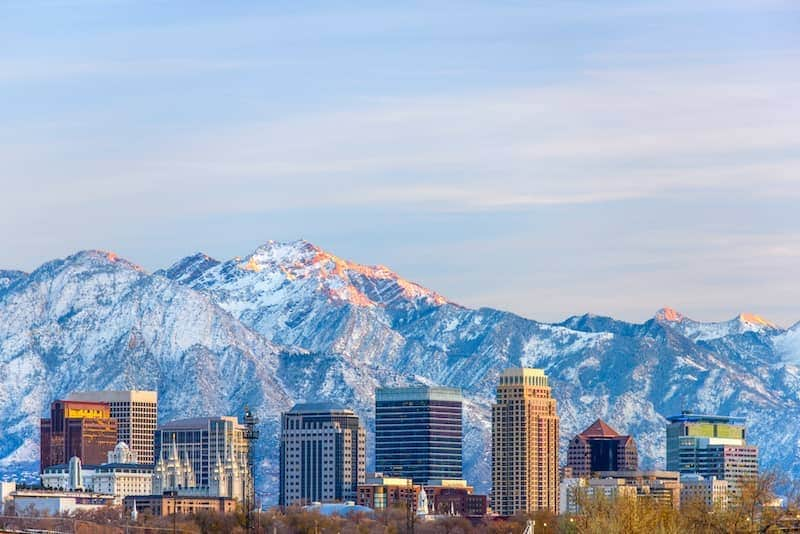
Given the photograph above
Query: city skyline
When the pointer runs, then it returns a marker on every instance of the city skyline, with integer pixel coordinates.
(548, 159)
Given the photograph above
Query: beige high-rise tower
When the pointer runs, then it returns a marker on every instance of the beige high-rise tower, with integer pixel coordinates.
(524, 444)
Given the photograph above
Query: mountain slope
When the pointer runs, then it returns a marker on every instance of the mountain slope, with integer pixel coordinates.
(93, 321)
(291, 322)
(631, 375)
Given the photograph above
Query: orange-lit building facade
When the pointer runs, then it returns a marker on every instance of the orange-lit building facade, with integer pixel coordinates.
(524, 444)
(166, 505)
(82, 429)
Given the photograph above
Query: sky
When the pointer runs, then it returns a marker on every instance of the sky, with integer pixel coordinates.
(546, 158)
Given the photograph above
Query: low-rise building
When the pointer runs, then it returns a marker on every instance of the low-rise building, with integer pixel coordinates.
(661, 487)
(165, 505)
(113, 478)
(709, 492)
(575, 492)
(382, 492)
(54, 502)
(6, 489)
(455, 497)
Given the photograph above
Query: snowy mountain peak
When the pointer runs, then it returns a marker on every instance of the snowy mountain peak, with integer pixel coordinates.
(339, 278)
(281, 326)
(669, 315)
(756, 320)
(102, 257)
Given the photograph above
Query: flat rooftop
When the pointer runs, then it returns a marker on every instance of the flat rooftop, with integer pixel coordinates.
(320, 407)
(132, 395)
(418, 393)
(687, 417)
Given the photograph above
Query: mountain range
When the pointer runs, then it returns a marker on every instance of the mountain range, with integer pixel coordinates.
(291, 322)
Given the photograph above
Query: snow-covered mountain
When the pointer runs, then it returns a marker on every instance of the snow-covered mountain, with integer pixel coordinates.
(292, 322)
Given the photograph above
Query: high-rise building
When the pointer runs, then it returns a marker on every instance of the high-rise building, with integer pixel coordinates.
(322, 454)
(418, 433)
(75, 428)
(524, 444)
(601, 448)
(136, 413)
(211, 451)
(711, 446)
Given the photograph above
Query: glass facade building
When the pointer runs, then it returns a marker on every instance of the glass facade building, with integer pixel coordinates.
(711, 446)
(418, 433)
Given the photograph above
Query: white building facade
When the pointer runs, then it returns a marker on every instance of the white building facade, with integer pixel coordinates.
(117, 478)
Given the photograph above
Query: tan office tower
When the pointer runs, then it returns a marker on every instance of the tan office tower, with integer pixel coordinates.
(524, 444)
(136, 413)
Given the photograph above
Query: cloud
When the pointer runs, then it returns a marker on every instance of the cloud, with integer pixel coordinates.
(606, 137)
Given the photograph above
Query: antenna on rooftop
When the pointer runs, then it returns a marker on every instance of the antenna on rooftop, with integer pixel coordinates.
(251, 434)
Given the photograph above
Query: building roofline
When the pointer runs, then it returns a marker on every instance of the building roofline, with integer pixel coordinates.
(418, 393)
(687, 417)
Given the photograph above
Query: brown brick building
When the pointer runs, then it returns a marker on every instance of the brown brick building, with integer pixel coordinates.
(447, 497)
(82, 429)
(380, 492)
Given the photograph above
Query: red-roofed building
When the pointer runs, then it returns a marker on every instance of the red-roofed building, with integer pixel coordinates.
(601, 448)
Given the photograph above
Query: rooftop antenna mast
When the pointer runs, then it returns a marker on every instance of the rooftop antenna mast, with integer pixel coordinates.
(251, 434)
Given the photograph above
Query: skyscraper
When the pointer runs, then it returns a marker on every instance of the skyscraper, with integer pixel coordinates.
(322, 454)
(418, 433)
(82, 429)
(711, 446)
(601, 448)
(136, 413)
(524, 444)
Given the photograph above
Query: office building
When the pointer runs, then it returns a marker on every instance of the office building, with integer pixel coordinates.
(711, 446)
(524, 444)
(136, 414)
(601, 448)
(76, 428)
(322, 454)
(418, 433)
(204, 456)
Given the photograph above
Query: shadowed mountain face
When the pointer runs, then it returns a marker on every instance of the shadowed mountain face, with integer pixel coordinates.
(291, 322)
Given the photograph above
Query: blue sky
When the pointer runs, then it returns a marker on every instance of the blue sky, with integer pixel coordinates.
(548, 158)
